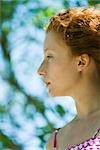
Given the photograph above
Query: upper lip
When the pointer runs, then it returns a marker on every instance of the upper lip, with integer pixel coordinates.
(47, 83)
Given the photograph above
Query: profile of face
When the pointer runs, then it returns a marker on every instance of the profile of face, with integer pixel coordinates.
(59, 67)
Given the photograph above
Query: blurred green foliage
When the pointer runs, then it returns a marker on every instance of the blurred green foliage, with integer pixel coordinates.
(41, 13)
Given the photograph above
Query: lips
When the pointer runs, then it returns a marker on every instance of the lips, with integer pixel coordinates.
(47, 84)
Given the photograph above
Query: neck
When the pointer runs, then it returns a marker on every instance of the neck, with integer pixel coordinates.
(88, 102)
(88, 109)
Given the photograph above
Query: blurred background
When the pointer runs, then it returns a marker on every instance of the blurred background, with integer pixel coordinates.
(27, 114)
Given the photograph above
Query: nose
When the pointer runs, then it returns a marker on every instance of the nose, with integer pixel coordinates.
(41, 71)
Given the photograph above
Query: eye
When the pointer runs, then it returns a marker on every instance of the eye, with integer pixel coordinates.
(49, 56)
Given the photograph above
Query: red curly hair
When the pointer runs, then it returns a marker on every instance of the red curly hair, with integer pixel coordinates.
(80, 29)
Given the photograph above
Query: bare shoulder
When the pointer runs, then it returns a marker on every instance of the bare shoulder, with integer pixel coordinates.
(68, 126)
(49, 144)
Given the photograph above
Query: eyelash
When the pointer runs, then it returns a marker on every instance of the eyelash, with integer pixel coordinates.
(49, 56)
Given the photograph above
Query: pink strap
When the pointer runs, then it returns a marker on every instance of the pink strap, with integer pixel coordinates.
(97, 132)
(55, 139)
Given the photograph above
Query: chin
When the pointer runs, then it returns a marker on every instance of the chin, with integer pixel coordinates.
(54, 94)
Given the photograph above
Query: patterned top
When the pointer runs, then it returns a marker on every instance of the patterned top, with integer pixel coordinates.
(91, 144)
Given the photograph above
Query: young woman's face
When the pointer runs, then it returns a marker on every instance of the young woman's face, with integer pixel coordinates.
(58, 68)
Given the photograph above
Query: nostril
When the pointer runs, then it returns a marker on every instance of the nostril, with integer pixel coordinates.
(41, 69)
(40, 72)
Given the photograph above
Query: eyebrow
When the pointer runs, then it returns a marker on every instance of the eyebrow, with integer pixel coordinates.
(46, 49)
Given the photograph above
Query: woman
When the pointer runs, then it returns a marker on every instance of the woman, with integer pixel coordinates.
(71, 67)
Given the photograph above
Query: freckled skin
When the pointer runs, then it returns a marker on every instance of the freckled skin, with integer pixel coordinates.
(59, 69)
(75, 76)
(67, 78)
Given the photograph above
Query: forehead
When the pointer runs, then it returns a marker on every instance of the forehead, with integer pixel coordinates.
(51, 40)
(54, 42)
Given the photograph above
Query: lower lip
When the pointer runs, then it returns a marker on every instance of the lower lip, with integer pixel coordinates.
(49, 90)
(48, 86)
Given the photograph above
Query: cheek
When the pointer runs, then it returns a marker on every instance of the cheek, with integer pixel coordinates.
(66, 75)
(61, 72)
(63, 79)
(64, 84)
(71, 73)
